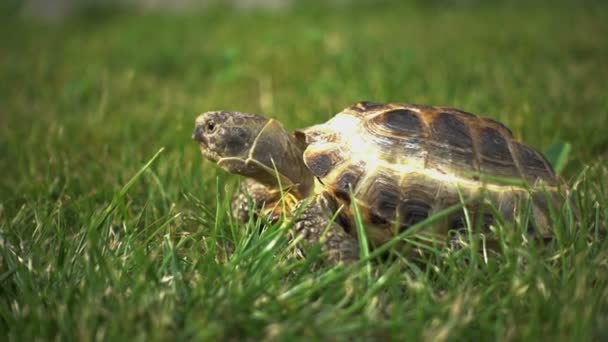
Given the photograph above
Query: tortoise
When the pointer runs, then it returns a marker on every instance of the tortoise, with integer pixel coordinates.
(400, 163)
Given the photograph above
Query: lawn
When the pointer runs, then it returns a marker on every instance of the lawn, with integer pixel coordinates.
(104, 237)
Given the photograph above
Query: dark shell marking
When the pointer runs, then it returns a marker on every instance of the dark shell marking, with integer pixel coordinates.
(397, 133)
(401, 122)
(499, 125)
(412, 211)
(320, 165)
(495, 157)
(346, 182)
(450, 144)
(452, 130)
(383, 197)
(366, 106)
(390, 204)
(384, 206)
(419, 194)
(323, 161)
(533, 164)
(458, 112)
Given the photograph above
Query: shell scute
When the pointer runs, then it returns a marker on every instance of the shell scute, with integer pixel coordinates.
(412, 211)
(498, 125)
(452, 130)
(346, 182)
(419, 197)
(533, 164)
(459, 112)
(395, 134)
(381, 194)
(495, 156)
(319, 164)
(324, 159)
(400, 122)
(384, 205)
(450, 144)
(363, 107)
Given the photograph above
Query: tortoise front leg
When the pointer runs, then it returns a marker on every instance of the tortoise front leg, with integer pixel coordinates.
(314, 224)
(259, 194)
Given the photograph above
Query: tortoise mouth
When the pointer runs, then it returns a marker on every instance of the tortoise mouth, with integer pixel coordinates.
(208, 154)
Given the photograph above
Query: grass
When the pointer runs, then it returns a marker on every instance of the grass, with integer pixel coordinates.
(103, 238)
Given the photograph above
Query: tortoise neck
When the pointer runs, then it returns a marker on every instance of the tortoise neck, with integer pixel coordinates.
(280, 155)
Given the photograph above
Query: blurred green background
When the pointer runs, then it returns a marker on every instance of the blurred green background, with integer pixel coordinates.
(88, 95)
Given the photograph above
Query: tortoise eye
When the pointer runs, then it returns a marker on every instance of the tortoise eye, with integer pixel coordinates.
(210, 126)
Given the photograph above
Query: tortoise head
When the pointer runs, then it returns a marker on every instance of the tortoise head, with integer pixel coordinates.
(227, 134)
(253, 146)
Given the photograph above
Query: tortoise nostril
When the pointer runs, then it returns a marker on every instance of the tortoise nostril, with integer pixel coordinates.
(198, 133)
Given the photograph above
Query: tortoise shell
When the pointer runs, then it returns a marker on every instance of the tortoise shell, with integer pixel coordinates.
(404, 162)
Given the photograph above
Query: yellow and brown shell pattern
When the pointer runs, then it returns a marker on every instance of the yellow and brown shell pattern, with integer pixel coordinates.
(404, 162)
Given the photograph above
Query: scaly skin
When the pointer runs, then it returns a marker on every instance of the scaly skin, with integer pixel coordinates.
(266, 202)
(252, 194)
(315, 225)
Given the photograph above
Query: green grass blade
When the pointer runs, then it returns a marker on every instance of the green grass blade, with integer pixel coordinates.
(363, 243)
(557, 154)
(123, 191)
